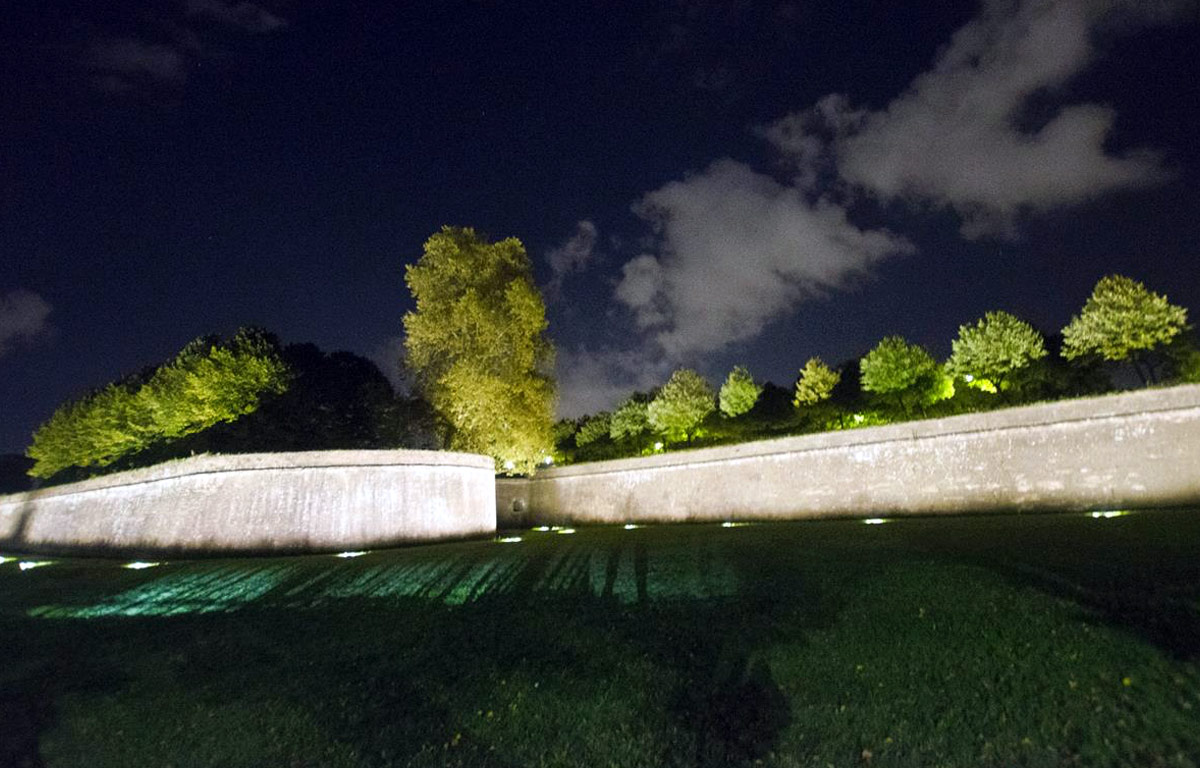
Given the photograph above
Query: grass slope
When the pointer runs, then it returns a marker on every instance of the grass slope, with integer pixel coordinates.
(1034, 641)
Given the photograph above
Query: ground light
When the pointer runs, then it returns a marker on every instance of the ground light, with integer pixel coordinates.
(565, 530)
(509, 539)
(4, 559)
(25, 565)
(1106, 513)
(732, 524)
(350, 554)
(875, 520)
(139, 565)
(542, 528)
(631, 526)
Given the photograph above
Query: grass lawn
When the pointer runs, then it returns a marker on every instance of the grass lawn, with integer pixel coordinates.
(1057, 640)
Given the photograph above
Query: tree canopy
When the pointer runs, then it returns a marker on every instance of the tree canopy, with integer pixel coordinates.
(815, 383)
(476, 344)
(903, 372)
(631, 418)
(206, 383)
(739, 393)
(993, 348)
(595, 428)
(1123, 320)
(683, 402)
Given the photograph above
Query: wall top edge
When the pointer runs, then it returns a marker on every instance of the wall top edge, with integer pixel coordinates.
(241, 462)
(1176, 398)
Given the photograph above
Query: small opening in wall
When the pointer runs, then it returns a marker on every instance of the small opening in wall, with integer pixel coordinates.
(518, 506)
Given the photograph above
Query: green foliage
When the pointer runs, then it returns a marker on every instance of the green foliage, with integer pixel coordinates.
(815, 383)
(739, 393)
(206, 383)
(904, 373)
(564, 431)
(683, 402)
(1123, 320)
(994, 348)
(477, 346)
(595, 428)
(631, 419)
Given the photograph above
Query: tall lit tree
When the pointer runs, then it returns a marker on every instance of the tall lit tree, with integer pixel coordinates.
(993, 348)
(476, 344)
(739, 393)
(1123, 320)
(815, 383)
(683, 402)
(905, 373)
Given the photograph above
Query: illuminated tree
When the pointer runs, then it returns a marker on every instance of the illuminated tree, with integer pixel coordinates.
(208, 382)
(630, 419)
(477, 346)
(683, 402)
(593, 429)
(815, 383)
(994, 348)
(739, 393)
(1123, 320)
(905, 373)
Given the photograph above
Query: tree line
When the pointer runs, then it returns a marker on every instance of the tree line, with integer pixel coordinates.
(997, 360)
(477, 352)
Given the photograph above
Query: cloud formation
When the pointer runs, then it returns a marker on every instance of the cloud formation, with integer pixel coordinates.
(23, 318)
(121, 62)
(161, 61)
(736, 250)
(573, 255)
(987, 132)
(963, 134)
(591, 380)
(247, 16)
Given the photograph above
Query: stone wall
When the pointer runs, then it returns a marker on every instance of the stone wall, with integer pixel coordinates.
(1138, 449)
(325, 500)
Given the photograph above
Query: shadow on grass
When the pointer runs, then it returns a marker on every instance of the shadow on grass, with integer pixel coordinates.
(29, 690)
(393, 657)
(1139, 573)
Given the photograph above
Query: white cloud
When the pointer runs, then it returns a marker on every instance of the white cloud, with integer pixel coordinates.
(958, 136)
(247, 16)
(596, 380)
(737, 250)
(23, 316)
(574, 255)
(121, 61)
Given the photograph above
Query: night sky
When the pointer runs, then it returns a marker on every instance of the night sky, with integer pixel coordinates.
(698, 182)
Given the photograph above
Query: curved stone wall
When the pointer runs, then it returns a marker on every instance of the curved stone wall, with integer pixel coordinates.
(1138, 449)
(321, 500)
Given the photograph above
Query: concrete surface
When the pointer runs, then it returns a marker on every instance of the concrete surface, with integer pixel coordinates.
(1138, 449)
(313, 501)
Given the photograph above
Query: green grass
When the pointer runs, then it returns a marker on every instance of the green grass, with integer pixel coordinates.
(987, 641)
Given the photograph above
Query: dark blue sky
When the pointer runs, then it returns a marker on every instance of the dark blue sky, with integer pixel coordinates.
(686, 192)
